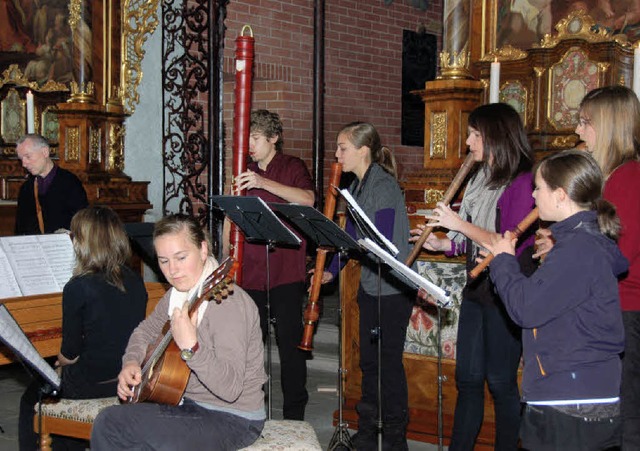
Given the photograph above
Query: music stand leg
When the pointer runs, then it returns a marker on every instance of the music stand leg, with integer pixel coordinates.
(378, 335)
(268, 341)
(341, 438)
(440, 378)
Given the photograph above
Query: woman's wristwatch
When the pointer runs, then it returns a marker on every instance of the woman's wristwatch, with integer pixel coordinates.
(186, 354)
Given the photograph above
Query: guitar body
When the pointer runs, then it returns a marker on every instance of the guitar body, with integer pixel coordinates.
(167, 379)
(164, 374)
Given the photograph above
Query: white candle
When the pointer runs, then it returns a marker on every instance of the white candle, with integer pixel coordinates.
(30, 113)
(636, 70)
(494, 82)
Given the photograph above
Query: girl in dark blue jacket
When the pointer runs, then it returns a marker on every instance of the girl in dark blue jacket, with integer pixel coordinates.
(569, 311)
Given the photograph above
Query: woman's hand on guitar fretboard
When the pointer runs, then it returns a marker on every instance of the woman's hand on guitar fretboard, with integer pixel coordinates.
(130, 376)
(183, 327)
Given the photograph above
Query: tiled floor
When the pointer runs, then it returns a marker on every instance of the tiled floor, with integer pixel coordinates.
(322, 378)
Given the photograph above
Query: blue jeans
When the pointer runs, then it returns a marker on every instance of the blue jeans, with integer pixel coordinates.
(488, 348)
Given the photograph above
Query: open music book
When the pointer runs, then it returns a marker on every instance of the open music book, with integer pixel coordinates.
(14, 338)
(35, 264)
(365, 225)
(441, 296)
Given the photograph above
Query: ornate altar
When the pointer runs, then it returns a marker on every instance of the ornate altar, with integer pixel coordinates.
(545, 84)
(81, 65)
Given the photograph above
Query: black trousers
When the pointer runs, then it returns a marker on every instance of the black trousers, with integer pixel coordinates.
(630, 390)
(547, 429)
(286, 309)
(394, 319)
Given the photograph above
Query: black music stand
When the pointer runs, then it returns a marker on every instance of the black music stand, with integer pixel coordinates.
(326, 235)
(260, 226)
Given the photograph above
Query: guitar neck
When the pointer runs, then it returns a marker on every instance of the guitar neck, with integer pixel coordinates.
(166, 339)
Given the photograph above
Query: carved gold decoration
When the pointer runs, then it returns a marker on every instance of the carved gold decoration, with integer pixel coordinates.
(539, 71)
(117, 96)
(139, 21)
(115, 147)
(433, 196)
(72, 144)
(95, 145)
(505, 53)
(14, 76)
(438, 135)
(564, 142)
(454, 65)
(75, 11)
(579, 25)
(82, 93)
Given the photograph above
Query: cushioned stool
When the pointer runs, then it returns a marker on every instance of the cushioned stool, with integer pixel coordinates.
(74, 418)
(286, 435)
(69, 417)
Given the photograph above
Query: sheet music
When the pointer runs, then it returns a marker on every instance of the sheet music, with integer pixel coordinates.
(15, 339)
(442, 296)
(40, 263)
(58, 251)
(9, 287)
(363, 221)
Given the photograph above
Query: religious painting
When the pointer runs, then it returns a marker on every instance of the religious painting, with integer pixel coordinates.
(37, 36)
(522, 23)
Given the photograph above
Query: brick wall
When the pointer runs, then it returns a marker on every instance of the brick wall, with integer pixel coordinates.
(363, 66)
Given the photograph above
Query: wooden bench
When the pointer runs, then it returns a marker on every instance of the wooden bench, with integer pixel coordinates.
(74, 418)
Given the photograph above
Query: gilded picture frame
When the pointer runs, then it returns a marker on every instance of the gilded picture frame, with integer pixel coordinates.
(523, 24)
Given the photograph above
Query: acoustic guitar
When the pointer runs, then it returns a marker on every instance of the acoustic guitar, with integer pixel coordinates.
(164, 373)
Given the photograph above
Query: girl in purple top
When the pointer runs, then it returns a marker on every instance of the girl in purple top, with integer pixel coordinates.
(496, 199)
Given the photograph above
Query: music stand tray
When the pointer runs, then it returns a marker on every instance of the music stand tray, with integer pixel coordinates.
(258, 223)
(316, 227)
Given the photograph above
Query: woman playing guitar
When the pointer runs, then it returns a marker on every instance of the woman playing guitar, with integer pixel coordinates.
(219, 342)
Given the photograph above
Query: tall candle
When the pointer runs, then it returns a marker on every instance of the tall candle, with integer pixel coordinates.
(636, 70)
(494, 82)
(30, 113)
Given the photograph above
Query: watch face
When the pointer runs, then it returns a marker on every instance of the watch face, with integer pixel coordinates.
(186, 354)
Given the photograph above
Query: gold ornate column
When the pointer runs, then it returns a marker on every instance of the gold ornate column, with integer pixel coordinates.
(454, 59)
